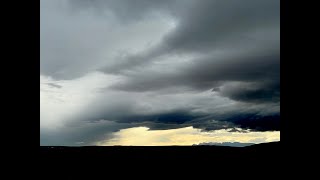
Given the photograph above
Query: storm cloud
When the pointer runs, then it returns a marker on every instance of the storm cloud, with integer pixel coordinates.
(113, 64)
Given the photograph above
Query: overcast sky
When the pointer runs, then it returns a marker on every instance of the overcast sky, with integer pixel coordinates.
(111, 69)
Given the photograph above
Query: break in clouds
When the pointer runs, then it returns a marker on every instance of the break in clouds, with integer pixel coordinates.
(108, 66)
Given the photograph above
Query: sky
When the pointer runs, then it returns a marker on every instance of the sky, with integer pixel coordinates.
(159, 73)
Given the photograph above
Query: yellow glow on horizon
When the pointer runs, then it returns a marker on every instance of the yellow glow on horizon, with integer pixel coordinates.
(142, 136)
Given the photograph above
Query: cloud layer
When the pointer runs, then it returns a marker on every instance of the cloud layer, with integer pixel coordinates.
(109, 64)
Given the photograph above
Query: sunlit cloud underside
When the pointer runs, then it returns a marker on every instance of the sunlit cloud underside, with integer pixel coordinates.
(142, 136)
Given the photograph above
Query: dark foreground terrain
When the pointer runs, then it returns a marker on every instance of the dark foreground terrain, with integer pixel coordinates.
(260, 152)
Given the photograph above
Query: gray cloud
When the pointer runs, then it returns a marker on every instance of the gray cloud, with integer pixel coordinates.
(54, 85)
(75, 42)
(250, 51)
(210, 64)
(253, 92)
(215, 25)
(258, 77)
(127, 11)
(226, 24)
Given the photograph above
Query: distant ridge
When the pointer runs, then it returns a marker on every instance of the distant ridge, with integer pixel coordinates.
(258, 152)
(231, 144)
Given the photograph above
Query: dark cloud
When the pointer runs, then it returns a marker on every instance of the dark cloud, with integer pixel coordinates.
(238, 130)
(170, 118)
(253, 92)
(257, 122)
(258, 77)
(213, 119)
(209, 122)
(210, 64)
(54, 85)
(204, 125)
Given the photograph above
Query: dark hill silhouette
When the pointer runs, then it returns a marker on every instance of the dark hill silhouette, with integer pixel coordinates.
(259, 152)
